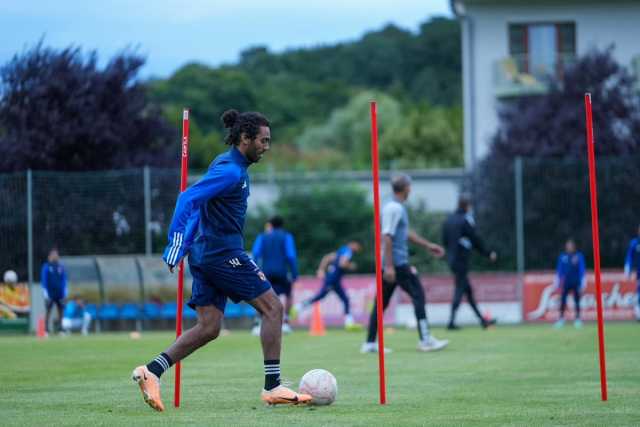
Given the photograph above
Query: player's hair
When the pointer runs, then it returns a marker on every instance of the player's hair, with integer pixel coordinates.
(399, 182)
(237, 123)
(277, 221)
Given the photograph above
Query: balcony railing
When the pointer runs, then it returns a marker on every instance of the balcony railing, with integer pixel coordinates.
(520, 75)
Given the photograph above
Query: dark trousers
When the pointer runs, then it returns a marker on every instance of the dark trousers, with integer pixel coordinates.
(566, 289)
(49, 305)
(410, 283)
(336, 286)
(463, 287)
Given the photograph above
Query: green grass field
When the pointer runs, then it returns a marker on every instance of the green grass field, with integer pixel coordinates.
(524, 375)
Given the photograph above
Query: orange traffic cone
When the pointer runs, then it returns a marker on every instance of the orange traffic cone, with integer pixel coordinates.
(40, 329)
(316, 329)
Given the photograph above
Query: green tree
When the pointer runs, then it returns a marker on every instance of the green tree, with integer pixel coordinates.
(348, 129)
(425, 137)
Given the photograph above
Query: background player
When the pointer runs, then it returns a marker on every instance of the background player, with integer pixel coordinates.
(275, 252)
(220, 267)
(459, 237)
(570, 278)
(396, 234)
(332, 267)
(632, 267)
(76, 317)
(54, 286)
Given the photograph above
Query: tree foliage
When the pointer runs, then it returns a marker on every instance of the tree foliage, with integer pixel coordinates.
(59, 111)
(549, 133)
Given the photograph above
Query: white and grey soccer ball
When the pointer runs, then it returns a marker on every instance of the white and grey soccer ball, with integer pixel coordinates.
(321, 385)
(10, 276)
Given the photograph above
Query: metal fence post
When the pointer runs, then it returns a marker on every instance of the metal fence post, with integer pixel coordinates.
(147, 211)
(519, 208)
(32, 320)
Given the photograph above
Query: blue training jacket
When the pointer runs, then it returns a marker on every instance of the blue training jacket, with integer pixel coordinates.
(214, 208)
(335, 271)
(54, 281)
(571, 269)
(275, 251)
(632, 261)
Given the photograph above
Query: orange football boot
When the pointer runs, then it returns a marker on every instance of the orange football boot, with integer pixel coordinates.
(282, 395)
(149, 386)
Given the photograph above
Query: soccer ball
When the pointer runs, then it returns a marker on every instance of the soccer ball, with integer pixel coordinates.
(10, 276)
(321, 385)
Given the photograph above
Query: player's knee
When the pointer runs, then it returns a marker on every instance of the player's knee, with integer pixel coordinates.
(210, 332)
(274, 310)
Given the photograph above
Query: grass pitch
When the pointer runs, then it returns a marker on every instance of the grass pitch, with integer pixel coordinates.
(521, 375)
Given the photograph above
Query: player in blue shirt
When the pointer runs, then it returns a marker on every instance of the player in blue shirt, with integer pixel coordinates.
(275, 252)
(570, 278)
(54, 286)
(332, 267)
(207, 225)
(632, 267)
(76, 317)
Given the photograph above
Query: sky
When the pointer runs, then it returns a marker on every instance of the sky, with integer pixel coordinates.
(171, 33)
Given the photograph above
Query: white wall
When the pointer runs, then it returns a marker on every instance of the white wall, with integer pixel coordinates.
(597, 25)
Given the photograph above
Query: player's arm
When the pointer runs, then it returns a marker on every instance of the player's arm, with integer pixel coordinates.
(628, 263)
(433, 248)
(218, 180)
(44, 281)
(469, 231)
(345, 261)
(324, 263)
(256, 249)
(582, 269)
(292, 256)
(64, 283)
(559, 273)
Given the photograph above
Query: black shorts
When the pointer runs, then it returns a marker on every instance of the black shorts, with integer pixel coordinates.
(281, 285)
(219, 276)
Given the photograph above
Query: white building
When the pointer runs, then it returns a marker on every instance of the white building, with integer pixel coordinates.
(509, 47)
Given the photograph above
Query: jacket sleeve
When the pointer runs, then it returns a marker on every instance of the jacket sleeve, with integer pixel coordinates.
(470, 232)
(292, 257)
(582, 270)
(44, 280)
(218, 180)
(629, 259)
(63, 279)
(256, 250)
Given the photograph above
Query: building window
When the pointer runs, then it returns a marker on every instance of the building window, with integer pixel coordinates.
(542, 48)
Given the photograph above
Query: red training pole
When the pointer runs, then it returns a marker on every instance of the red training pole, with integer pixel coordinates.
(183, 186)
(596, 243)
(376, 220)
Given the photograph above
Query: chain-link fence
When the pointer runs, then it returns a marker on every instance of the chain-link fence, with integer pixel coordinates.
(529, 208)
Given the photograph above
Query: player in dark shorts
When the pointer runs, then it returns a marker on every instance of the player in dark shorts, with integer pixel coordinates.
(216, 207)
(332, 267)
(275, 252)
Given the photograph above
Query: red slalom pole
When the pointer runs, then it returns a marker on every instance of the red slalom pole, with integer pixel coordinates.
(596, 244)
(376, 220)
(183, 186)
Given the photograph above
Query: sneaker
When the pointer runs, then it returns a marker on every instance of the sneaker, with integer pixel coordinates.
(149, 386)
(453, 327)
(372, 347)
(559, 324)
(486, 323)
(286, 328)
(578, 324)
(255, 331)
(432, 344)
(282, 395)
